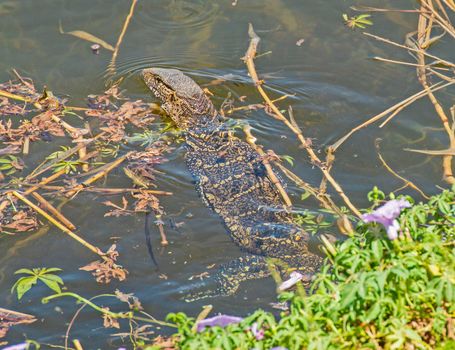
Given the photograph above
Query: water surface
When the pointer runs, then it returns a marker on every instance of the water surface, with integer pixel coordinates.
(334, 86)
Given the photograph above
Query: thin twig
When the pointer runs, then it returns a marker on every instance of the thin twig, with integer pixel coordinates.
(112, 68)
(106, 169)
(450, 64)
(407, 183)
(53, 210)
(249, 61)
(86, 244)
(276, 182)
(424, 29)
(407, 101)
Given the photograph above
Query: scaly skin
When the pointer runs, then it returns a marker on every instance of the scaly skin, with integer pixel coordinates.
(233, 182)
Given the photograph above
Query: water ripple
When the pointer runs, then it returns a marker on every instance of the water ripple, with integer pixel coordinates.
(177, 14)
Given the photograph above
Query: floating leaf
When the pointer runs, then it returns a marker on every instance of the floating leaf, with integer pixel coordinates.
(441, 152)
(87, 36)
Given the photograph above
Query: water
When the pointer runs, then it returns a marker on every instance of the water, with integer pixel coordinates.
(334, 86)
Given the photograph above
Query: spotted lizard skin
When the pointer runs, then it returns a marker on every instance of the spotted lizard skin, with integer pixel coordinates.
(233, 182)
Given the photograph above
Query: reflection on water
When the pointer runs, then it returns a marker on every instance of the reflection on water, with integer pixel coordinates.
(333, 87)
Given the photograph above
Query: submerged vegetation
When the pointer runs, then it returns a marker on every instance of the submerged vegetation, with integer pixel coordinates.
(389, 284)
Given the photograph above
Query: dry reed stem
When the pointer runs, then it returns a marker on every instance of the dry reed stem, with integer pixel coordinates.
(45, 181)
(6, 202)
(450, 4)
(404, 103)
(76, 134)
(108, 191)
(323, 198)
(425, 26)
(407, 183)
(450, 64)
(82, 151)
(77, 344)
(19, 98)
(276, 182)
(387, 60)
(26, 146)
(58, 224)
(56, 175)
(106, 169)
(249, 61)
(111, 68)
(53, 211)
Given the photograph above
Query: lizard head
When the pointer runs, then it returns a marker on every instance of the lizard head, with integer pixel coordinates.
(182, 98)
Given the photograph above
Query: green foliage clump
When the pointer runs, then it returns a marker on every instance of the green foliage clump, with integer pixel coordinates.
(43, 274)
(372, 293)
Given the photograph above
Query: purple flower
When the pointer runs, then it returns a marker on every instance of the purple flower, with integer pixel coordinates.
(220, 320)
(387, 214)
(258, 333)
(279, 348)
(21, 346)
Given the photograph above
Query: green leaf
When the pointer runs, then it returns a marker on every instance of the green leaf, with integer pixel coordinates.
(52, 283)
(373, 312)
(52, 269)
(27, 271)
(348, 295)
(23, 285)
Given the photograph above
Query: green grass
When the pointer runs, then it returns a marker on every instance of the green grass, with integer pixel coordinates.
(371, 293)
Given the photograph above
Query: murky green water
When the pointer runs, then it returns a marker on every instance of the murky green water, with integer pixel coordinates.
(334, 85)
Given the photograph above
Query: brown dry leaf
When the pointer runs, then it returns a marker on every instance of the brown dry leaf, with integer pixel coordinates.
(165, 343)
(441, 152)
(87, 36)
(10, 108)
(132, 301)
(109, 321)
(113, 133)
(44, 122)
(118, 211)
(142, 164)
(146, 201)
(105, 270)
(10, 318)
(22, 221)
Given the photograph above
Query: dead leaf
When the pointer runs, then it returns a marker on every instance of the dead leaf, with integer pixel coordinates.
(10, 318)
(87, 36)
(118, 211)
(22, 221)
(165, 343)
(105, 270)
(442, 152)
(132, 301)
(109, 321)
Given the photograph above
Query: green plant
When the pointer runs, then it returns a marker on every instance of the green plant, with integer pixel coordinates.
(10, 164)
(42, 274)
(312, 222)
(147, 138)
(371, 293)
(360, 21)
(58, 154)
(70, 166)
